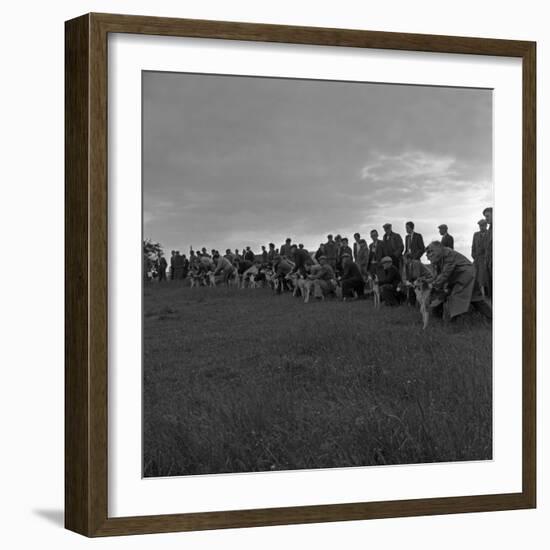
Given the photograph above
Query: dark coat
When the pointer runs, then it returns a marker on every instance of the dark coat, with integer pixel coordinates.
(448, 241)
(389, 276)
(414, 248)
(393, 244)
(351, 272)
(376, 252)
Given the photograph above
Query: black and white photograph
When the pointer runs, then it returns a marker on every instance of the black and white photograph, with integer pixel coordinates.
(317, 274)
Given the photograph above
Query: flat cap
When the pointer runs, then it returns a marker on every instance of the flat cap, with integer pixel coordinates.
(386, 225)
(385, 260)
(443, 226)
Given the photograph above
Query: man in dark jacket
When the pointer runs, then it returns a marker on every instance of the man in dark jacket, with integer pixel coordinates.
(376, 253)
(249, 256)
(479, 254)
(356, 246)
(285, 249)
(331, 251)
(343, 249)
(446, 239)
(414, 247)
(393, 246)
(388, 280)
(162, 264)
(301, 260)
(352, 281)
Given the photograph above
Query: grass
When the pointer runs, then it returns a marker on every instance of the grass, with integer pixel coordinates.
(244, 380)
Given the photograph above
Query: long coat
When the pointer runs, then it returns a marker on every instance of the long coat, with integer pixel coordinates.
(479, 254)
(393, 246)
(448, 241)
(457, 273)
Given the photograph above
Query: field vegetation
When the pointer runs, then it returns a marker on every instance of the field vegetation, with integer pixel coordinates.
(245, 380)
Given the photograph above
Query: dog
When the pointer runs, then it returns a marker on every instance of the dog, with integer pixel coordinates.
(196, 278)
(302, 286)
(211, 278)
(422, 290)
(375, 285)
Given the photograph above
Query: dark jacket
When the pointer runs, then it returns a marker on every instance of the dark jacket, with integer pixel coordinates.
(351, 272)
(301, 259)
(388, 276)
(376, 253)
(344, 250)
(414, 248)
(393, 244)
(448, 241)
(331, 250)
(479, 245)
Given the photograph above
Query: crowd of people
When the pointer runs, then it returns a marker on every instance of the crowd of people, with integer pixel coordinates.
(389, 261)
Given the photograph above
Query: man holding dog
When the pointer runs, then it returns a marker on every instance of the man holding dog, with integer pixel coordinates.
(388, 280)
(352, 280)
(454, 282)
(323, 279)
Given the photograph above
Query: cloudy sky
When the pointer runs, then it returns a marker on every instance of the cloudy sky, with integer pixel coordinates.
(231, 161)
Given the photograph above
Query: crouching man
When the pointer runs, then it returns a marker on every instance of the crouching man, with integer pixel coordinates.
(323, 279)
(352, 280)
(454, 282)
(388, 281)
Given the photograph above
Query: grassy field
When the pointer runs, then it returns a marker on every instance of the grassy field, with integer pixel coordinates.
(244, 380)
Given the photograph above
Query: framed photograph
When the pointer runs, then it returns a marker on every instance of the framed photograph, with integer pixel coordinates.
(286, 299)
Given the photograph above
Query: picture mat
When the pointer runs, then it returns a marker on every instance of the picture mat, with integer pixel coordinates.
(129, 493)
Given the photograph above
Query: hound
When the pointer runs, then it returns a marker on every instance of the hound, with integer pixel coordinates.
(302, 286)
(375, 290)
(211, 279)
(423, 291)
(196, 277)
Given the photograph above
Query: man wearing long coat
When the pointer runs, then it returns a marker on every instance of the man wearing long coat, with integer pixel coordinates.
(454, 274)
(479, 254)
(393, 246)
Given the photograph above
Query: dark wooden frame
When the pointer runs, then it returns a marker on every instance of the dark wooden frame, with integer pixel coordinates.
(86, 274)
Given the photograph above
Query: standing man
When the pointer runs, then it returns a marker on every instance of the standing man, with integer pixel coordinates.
(479, 254)
(446, 239)
(414, 247)
(488, 213)
(285, 248)
(352, 280)
(344, 249)
(264, 255)
(356, 245)
(172, 266)
(301, 260)
(330, 252)
(249, 256)
(271, 254)
(162, 264)
(393, 246)
(362, 261)
(376, 253)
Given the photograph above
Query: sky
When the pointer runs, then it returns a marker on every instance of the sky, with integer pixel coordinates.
(235, 161)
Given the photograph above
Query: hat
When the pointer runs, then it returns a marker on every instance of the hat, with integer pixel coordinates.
(443, 226)
(346, 255)
(385, 260)
(483, 221)
(323, 257)
(386, 225)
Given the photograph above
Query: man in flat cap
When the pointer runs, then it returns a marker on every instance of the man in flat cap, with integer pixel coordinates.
(446, 239)
(376, 253)
(323, 279)
(488, 214)
(388, 279)
(352, 280)
(414, 248)
(330, 250)
(393, 246)
(479, 254)
(454, 282)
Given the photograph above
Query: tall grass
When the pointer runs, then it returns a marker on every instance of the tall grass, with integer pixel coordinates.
(242, 380)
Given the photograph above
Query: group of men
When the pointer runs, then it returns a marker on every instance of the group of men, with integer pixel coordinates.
(389, 261)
